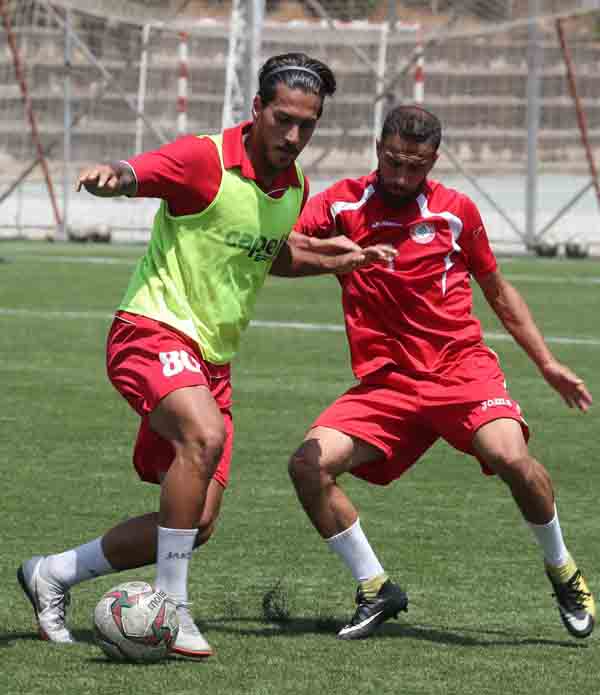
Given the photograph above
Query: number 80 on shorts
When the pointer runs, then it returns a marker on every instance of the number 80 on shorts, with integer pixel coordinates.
(176, 361)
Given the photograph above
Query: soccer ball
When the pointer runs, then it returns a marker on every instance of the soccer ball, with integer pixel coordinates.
(133, 622)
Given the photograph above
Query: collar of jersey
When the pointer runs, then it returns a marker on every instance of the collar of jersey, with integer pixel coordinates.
(234, 156)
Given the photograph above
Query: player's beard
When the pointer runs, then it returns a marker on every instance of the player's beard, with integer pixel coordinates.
(398, 198)
(283, 158)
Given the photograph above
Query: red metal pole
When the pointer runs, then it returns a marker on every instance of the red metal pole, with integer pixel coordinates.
(419, 77)
(29, 108)
(183, 75)
(581, 119)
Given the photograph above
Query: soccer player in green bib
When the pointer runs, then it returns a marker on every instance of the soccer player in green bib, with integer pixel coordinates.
(229, 202)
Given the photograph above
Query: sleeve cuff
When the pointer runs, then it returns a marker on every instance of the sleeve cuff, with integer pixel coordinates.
(127, 164)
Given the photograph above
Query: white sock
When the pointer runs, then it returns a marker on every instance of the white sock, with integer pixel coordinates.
(173, 557)
(353, 548)
(550, 537)
(76, 565)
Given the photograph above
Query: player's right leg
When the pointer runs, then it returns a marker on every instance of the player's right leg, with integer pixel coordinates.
(198, 444)
(314, 468)
(47, 580)
(185, 423)
(500, 444)
(375, 432)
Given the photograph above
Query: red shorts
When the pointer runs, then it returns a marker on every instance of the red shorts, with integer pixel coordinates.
(145, 361)
(403, 416)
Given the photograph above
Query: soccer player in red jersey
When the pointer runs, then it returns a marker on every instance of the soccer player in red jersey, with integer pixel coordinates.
(424, 370)
(229, 202)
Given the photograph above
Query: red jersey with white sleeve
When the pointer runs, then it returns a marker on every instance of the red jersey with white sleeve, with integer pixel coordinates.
(415, 314)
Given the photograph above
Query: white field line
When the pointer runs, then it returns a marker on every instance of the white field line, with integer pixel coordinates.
(286, 325)
(96, 260)
(55, 315)
(333, 327)
(108, 260)
(549, 280)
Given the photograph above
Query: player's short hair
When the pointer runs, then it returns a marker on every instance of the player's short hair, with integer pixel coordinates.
(413, 123)
(297, 71)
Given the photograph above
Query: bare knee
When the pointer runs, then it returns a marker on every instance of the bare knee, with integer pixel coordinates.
(201, 450)
(518, 469)
(305, 467)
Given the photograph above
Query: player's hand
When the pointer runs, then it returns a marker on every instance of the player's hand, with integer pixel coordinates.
(100, 179)
(572, 389)
(380, 253)
(347, 262)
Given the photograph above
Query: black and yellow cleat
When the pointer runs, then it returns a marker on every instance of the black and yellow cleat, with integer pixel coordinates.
(575, 601)
(370, 613)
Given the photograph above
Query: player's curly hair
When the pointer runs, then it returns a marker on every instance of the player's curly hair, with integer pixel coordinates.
(413, 123)
(297, 71)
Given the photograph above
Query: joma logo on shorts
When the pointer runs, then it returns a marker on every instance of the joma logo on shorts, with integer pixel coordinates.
(493, 402)
(259, 247)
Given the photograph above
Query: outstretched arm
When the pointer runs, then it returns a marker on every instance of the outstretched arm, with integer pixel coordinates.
(108, 180)
(303, 255)
(512, 310)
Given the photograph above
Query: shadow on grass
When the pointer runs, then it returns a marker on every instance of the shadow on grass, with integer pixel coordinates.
(85, 636)
(7, 638)
(463, 636)
(472, 636)
(102, 660)
(459, 636)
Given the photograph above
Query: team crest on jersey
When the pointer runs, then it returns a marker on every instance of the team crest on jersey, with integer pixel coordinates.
(422, 233)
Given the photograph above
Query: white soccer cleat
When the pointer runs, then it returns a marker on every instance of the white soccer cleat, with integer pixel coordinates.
(190, 642)
(49, 602)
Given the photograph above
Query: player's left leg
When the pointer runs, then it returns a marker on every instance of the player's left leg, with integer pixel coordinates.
(324, 455)
(501, 446)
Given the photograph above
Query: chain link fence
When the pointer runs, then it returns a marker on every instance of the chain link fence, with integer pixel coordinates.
(108, 73)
